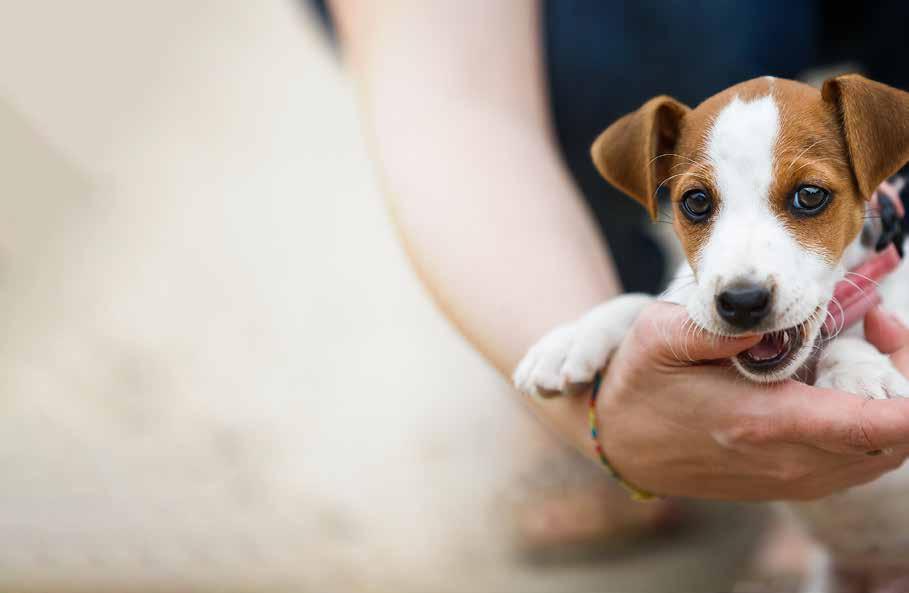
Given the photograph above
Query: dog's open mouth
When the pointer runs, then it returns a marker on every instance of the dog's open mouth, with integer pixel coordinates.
(774, 351)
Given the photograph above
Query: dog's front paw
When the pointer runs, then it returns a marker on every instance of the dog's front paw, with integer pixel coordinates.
(566, 359)
(855, 366)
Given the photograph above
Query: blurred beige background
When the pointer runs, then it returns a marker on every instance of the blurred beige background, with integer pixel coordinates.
(218, 371)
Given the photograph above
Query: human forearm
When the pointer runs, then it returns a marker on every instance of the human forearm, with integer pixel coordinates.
(498, 236)
(489, 216)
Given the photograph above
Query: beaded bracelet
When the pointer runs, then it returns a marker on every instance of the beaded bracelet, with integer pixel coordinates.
(635, 492)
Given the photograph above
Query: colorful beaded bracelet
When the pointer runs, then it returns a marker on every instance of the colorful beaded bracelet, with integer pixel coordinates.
(635, 492)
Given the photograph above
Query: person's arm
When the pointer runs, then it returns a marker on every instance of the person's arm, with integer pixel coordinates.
(454, 96)
(453, 93)
(454, 103)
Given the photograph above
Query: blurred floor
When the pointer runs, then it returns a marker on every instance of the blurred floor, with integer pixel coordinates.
(219, 373)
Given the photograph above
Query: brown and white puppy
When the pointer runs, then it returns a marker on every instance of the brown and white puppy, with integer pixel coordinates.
(768, 183)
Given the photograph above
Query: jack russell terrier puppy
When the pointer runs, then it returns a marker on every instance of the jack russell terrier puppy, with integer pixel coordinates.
(769, 183)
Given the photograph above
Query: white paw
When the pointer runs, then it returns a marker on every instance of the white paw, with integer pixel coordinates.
(855, 366)
(569, 356)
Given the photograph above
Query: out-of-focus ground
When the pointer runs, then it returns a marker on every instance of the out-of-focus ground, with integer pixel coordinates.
(218, 371)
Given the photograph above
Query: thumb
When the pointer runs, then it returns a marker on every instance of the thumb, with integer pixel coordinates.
(670, 333)
(885, 331)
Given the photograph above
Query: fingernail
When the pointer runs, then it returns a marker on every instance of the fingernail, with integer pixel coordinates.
(876, 452)
(891, 316)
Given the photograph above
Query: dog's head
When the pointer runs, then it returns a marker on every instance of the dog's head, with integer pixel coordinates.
(768, 182)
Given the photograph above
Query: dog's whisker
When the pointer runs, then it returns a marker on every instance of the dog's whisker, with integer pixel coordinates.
(816, 161)
(667, 154)
(686, 342)
(691, 332)
(857, 287)
(828, 316)
(836, 302)
(863, 277)
(793, 161)
(668, 341)
(673, 289)
(686, 174)
(683, 338)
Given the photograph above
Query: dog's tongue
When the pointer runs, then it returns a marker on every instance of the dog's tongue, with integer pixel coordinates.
(769, 347)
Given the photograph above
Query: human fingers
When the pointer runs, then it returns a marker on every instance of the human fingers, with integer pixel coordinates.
(840, 422)
(666, 331)
(885, 331)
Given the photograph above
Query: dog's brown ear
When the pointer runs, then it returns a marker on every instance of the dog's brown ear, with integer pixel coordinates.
(627, 153)
(875, 124)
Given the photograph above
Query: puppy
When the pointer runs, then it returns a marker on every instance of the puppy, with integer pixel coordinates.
(768, 182)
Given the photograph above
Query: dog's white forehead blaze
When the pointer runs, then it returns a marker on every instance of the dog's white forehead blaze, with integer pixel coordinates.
(741, 147)
(740, 150)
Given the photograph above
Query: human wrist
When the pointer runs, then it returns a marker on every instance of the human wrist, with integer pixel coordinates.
(595, 432)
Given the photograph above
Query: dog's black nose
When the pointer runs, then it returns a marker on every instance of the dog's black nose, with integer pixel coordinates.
(744, 305)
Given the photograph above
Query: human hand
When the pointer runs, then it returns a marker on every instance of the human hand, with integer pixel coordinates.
(890, 336)
(674, 425)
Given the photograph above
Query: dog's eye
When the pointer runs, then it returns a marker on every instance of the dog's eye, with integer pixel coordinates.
(810, 199)
(696, 205)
